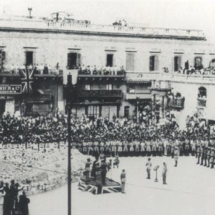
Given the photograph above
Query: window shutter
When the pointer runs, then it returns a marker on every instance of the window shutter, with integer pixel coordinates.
(156, 63)
(179, 61)
(130, 61)
(3, 55)
(78, 63)
(69, 60)
(173, 63)
(151, 63)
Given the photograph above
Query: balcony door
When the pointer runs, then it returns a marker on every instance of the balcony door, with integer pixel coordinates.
(2, 106)
(126, 112)
(29, 59)
(73, 60)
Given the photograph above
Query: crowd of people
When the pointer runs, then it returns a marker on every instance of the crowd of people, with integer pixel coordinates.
(32, 130)
(119, 135)
(192, 70)
(37, 68)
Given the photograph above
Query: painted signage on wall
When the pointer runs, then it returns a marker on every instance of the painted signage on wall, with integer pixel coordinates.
(10, 89)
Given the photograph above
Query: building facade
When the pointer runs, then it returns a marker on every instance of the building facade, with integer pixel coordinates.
(120, 68)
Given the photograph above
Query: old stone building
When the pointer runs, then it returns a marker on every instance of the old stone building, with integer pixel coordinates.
(120, 67)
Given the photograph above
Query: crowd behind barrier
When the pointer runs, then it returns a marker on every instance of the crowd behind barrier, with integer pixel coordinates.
(39, 69)
(103, 131)
(95, 70)
(200, 70)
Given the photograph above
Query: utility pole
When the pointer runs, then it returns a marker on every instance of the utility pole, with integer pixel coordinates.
(69, 85)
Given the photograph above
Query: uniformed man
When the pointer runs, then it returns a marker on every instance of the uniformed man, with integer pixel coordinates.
(85, 148)
(103, 171)
(212, 158)
(176, 154)
(202, 154)
(87, 170)
(142, 149)
(125, 149)
(113, 144)
(116, 162)
(164, 172)
(208, 157)
(205, 156)
(123, 180)
(120, 149)
(160, 148)
(109, 165)
(148, 168)
(187, 147)
(199, 153)
(168, 148)
(131, 149)
(154, 148)
(98, 176)
(148, 148)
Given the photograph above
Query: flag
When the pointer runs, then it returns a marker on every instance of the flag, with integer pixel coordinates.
(27, 80)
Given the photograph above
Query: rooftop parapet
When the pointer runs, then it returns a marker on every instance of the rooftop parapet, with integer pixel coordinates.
(20, 23)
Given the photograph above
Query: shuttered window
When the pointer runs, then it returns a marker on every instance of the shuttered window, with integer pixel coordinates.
(130, 61)
(177, 63)
(153, 63)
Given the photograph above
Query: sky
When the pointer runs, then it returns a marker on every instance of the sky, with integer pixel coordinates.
(183, 14)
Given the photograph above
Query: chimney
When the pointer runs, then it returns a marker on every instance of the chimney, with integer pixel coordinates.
(29, 10)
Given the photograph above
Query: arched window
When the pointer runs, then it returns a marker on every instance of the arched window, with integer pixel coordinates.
(202, 92)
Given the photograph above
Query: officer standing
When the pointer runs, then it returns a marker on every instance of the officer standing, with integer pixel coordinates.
(198, 153)
(208, 157)
(98, 178)
(148, 168)
(176, 153)
(116, 162)
(212, 158)
(103, 171)
(87, 170)
(164, 172)
(123, 180)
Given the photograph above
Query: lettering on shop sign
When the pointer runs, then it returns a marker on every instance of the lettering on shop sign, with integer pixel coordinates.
(10, 89)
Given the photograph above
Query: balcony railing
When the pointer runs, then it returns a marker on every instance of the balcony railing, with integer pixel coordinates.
(18, 22)
(202, 102)
(39, 99)
(100, 93)
(177, 103)
(99, 73)
(134, 96)
(151, 76)
(48, 73)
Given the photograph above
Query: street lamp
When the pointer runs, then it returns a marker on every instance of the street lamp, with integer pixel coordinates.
(70, 99)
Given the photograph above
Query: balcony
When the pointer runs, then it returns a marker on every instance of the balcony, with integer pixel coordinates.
(48, 73)
(134, 96)
(9, 74)
(104, 76)
(38, 99)
(99, 94)
(171, 77)
(202, 102)
(177, 103)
